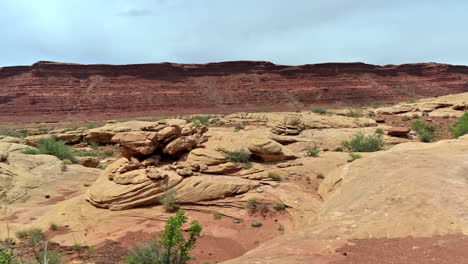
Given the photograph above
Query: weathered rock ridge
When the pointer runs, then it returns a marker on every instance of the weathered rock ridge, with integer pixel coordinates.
(58, 91)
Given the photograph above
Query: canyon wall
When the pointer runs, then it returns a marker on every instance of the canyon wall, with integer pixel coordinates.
(49, 91)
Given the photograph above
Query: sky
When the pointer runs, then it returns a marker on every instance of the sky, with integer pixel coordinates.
(290, 32)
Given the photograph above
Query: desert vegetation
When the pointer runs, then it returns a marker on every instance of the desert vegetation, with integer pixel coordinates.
(364, 143)
(171, 247)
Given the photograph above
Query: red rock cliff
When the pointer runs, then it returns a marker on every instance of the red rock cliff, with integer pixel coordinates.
(48, 91)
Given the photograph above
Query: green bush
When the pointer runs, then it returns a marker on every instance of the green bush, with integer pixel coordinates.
(354, 112)
(256, 224)
(354, 156)
(169, 201)
(460, 127)
(413, 101)
(77, 247)
(363, 143)
(320, 176)
(108, 153)
(312, 151)
(375, 105)
(91, 126)
(50, 257)
(50, 146)
(251, 204)
(279, 206)
(172, 247)
(238, 156)
(319, 110)
(274, 176)
(197, 120)
(425, 132)
(379, 131)
(217, 215)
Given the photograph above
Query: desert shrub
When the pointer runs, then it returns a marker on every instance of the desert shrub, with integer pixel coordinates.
(238, 127)
(108, 153)
(354, 156)
(30, 151)
(413, 101)
(91, 126)
(251, 204)
(171, 247)
(312, 151)
(415, 116)
(169, 201)
(50, 146)
(246, 165)
(425, 132)
(320, 176)
(85, 153)
(238, 156)
(53, 227)
(379, 131)
(94, 145)
(279, 206)
(460, 127)
(22, 133)
(319, 110)
(77, 247)
(406, 118)
(256, 224)
(274, 176)
(363, 143)
(50, 257)
(375, 105)
(354, 112)
(281, 228)
(217, 215)
(202, 119)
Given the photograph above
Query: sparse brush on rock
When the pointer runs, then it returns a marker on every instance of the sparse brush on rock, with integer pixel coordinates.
(169, 201)
(364, 143)
(319, 110)
(256, 224)
(279, 206)
(50, 146)
(274, 176)
(354, 112)
(251, 204)
(241, 155)
(426, 132)
(460, 127)
(354, 156)
(312, 151)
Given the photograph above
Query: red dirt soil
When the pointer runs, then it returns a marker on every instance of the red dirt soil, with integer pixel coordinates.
(449, 249)
(48, 91)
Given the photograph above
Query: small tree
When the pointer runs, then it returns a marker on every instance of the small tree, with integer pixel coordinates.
(172, 247)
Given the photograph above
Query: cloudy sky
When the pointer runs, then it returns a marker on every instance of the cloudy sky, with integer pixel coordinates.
(198, 31)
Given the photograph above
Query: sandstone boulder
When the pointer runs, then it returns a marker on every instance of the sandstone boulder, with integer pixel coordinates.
(268, 149)
(118, 191)
(398, 131)
(206, 156)
(136, 143)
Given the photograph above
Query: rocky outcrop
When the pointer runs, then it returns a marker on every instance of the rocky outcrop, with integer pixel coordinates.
(449, 105)
(414, 189)
(29, 93)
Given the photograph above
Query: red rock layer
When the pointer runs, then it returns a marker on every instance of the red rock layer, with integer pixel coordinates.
(48, 91)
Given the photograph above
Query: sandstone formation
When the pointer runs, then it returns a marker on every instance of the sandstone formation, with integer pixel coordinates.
(21, 173)
(106, 91)
(449, 105)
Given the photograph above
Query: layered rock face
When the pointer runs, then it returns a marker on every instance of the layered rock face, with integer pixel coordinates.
(58, 91)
